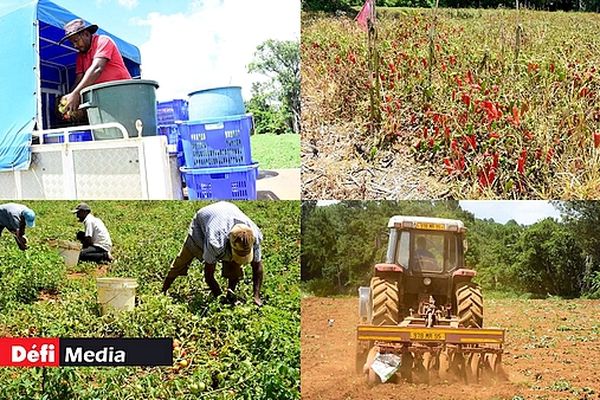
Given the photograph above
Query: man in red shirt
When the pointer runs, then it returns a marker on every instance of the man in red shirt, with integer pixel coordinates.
(98, 60)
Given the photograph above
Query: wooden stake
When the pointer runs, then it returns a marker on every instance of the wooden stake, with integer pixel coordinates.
(375, 87)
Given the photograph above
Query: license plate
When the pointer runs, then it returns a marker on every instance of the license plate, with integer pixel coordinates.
(427, 335)
(430, 226)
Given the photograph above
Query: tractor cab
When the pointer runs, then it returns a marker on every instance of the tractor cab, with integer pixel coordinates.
(425, 246)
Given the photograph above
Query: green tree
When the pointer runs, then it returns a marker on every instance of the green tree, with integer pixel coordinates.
(583, 218)
(550, 260)
(280, 61)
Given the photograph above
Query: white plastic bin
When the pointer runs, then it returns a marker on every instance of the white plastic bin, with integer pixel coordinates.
(69, 251)
(116, 294)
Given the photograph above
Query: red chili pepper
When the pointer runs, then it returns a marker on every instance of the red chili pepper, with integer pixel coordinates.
(521, 161)
(454, 146)
(447, 132)
(486, 176)
(466, 98)
(532, 67)
(460, 163)
(495, 161)
(469, 77)
(596, 139)
(549, 155)
(449, 167)
(515, 113)
(471, 141)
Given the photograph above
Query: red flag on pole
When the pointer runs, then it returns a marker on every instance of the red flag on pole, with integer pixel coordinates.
(365, 14)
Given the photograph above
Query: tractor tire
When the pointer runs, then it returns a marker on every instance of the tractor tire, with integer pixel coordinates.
(386, 301)
(469, 304)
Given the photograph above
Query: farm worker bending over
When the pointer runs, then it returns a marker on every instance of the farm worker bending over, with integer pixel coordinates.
(95, 239)
(221, 232)
(98, 59)
(14, 217)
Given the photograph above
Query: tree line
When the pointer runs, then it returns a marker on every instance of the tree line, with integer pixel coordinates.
(275, 102)
(342, 242)
(551, 5)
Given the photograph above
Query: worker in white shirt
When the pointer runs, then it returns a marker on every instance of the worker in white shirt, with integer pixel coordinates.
(95, 239)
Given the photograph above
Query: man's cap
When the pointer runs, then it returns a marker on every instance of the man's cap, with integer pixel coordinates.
(241, 239)
(81, 207)
(29, 216)
(76, 26)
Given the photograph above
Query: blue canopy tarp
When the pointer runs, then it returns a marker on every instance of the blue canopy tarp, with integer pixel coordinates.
(35, 70)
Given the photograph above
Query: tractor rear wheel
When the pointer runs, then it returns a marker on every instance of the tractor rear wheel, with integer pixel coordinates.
(386, 301)
(469, 304)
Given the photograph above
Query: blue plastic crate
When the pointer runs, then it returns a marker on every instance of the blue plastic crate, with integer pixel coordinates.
(217, 143)
(167, 112)
(170, 131)
(75, 136)
(227, 183)
(81, 136)
(180, 155)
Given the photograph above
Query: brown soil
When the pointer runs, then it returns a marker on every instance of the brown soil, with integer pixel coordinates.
(552, 352)
(99, 271)
(48, 295)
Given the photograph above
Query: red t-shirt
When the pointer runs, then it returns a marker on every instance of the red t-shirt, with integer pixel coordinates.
(104, 47)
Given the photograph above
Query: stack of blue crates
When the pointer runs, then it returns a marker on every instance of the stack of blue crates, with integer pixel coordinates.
(218, 160)
(169, 115)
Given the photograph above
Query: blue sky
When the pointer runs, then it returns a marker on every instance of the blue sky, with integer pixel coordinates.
(525, 212)
(188, 45)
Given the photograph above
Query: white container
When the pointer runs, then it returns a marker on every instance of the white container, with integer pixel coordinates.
(116, 294)
(69, 251)
(365, 305)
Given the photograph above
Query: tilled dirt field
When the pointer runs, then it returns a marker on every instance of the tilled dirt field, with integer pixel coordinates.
(552, 352)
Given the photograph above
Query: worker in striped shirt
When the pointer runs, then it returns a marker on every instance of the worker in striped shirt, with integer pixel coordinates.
(221, 232)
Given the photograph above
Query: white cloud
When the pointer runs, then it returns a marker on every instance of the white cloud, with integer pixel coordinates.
(212, 44)
(130, 4)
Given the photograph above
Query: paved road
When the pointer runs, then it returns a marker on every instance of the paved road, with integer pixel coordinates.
(282, 184)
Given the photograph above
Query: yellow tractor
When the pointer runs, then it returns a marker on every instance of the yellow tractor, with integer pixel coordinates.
(423, 309)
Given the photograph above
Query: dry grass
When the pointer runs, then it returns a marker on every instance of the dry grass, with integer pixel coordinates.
(554, 91)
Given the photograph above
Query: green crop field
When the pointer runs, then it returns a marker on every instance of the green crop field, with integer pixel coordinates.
(276, 151)
(492, 103)
(226, 352)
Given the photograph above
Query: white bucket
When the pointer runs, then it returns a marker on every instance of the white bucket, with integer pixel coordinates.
(116, 294)
(69, 251)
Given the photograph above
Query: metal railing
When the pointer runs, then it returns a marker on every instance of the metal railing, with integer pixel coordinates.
(65, 131)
